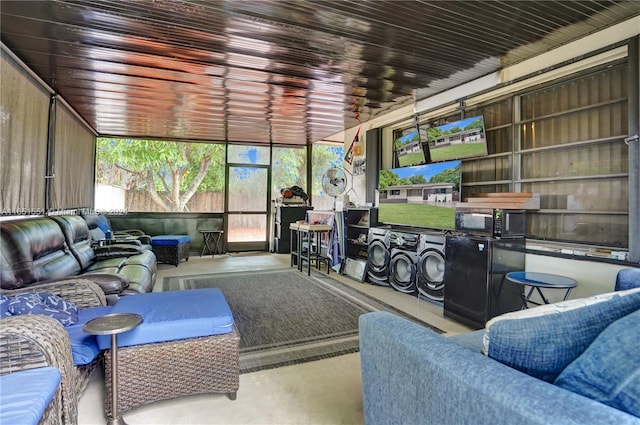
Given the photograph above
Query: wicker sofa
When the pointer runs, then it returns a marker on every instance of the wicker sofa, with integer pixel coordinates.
(33, 341)
(46, 249)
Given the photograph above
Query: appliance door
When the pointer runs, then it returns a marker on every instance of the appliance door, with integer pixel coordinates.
(430, 277)
(466, 276)
(402, 271)
(514, 225)
(378, 256)
(479, 222)
(508, 255)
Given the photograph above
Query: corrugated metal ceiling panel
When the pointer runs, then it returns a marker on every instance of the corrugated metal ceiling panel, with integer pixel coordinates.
(290, 72)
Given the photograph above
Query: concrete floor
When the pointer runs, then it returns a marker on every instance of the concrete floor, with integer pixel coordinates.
(322, 392)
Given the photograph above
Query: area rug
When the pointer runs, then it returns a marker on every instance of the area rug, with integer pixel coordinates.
(285, 317)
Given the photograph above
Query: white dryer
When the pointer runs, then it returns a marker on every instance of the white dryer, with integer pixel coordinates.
(431, 263)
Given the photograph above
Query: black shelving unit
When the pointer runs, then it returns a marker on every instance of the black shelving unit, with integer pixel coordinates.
(285, 215)
(358, 222)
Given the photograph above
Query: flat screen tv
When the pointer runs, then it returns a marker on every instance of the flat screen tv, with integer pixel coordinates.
(459, 139)
(421, 196)
(408, 150)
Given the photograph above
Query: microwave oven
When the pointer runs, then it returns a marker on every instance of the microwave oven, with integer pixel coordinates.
(496, 223)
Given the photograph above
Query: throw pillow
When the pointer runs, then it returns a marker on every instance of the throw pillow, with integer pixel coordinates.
(609, 370)
(4, 306)
(544, 345)
(46, 304)
(103, 223)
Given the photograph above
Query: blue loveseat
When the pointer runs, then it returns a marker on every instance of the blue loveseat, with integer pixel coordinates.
(412, 375)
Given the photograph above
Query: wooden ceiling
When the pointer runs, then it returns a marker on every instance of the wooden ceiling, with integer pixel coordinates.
(285, 72)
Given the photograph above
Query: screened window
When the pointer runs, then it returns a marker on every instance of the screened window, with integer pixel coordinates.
(159, 176)
(564, 141)
(324, 157)
(573, 154)
(244, 154)
(289, 168)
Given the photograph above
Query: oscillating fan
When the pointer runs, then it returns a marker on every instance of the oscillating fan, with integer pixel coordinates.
(334, 182)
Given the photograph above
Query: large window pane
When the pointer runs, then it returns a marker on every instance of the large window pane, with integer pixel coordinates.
(323, 158)
(591, 160)
(159, 176)
(243, 154)
(608, 230)
(573, 155)
(289, 168)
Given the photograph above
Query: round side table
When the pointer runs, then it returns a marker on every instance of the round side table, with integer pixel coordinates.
(113, 324)
(539, 281)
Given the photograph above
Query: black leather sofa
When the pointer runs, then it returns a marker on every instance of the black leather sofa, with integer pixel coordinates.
(46, 249)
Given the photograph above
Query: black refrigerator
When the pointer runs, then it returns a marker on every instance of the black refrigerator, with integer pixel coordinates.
(475, 288)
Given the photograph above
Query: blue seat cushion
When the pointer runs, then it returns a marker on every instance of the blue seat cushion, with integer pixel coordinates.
(170, 240)
(609, 370)
(26, 394)
(173, 315)
(84, 347)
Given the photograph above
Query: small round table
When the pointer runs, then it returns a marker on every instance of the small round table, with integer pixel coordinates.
(539, 281)
(113, 324)
(211, 236)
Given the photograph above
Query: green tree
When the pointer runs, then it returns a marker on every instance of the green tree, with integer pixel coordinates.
(475, 124)
(289, 168)
(172, 172)
(324, 157)
(388, 178)
(450, 175)
(418, 179)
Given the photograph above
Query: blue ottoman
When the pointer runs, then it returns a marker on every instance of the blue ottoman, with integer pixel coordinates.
(171, 248)
(187, 344)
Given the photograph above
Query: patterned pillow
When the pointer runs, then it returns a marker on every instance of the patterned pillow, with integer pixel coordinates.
(609, 370)
(46, 304)
(4, 306)
(543, 345)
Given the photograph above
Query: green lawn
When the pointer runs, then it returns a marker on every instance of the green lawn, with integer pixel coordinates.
(411, 158)
(457, 151)
(417, 215)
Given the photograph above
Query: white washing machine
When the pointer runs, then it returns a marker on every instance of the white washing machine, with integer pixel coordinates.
(431, 262)
(378, 255)
(403, 264)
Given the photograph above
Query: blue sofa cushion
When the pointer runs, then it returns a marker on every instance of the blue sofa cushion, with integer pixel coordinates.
(627, 279)
(26, 394)
(609, 370)
(84, 346)
(543, 346)
(46, 304)
(173, 315)
(170, 240)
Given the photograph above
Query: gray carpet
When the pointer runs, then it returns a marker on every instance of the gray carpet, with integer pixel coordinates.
(285, 317)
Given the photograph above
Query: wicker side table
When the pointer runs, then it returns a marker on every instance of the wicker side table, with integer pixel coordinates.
(113, 324)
